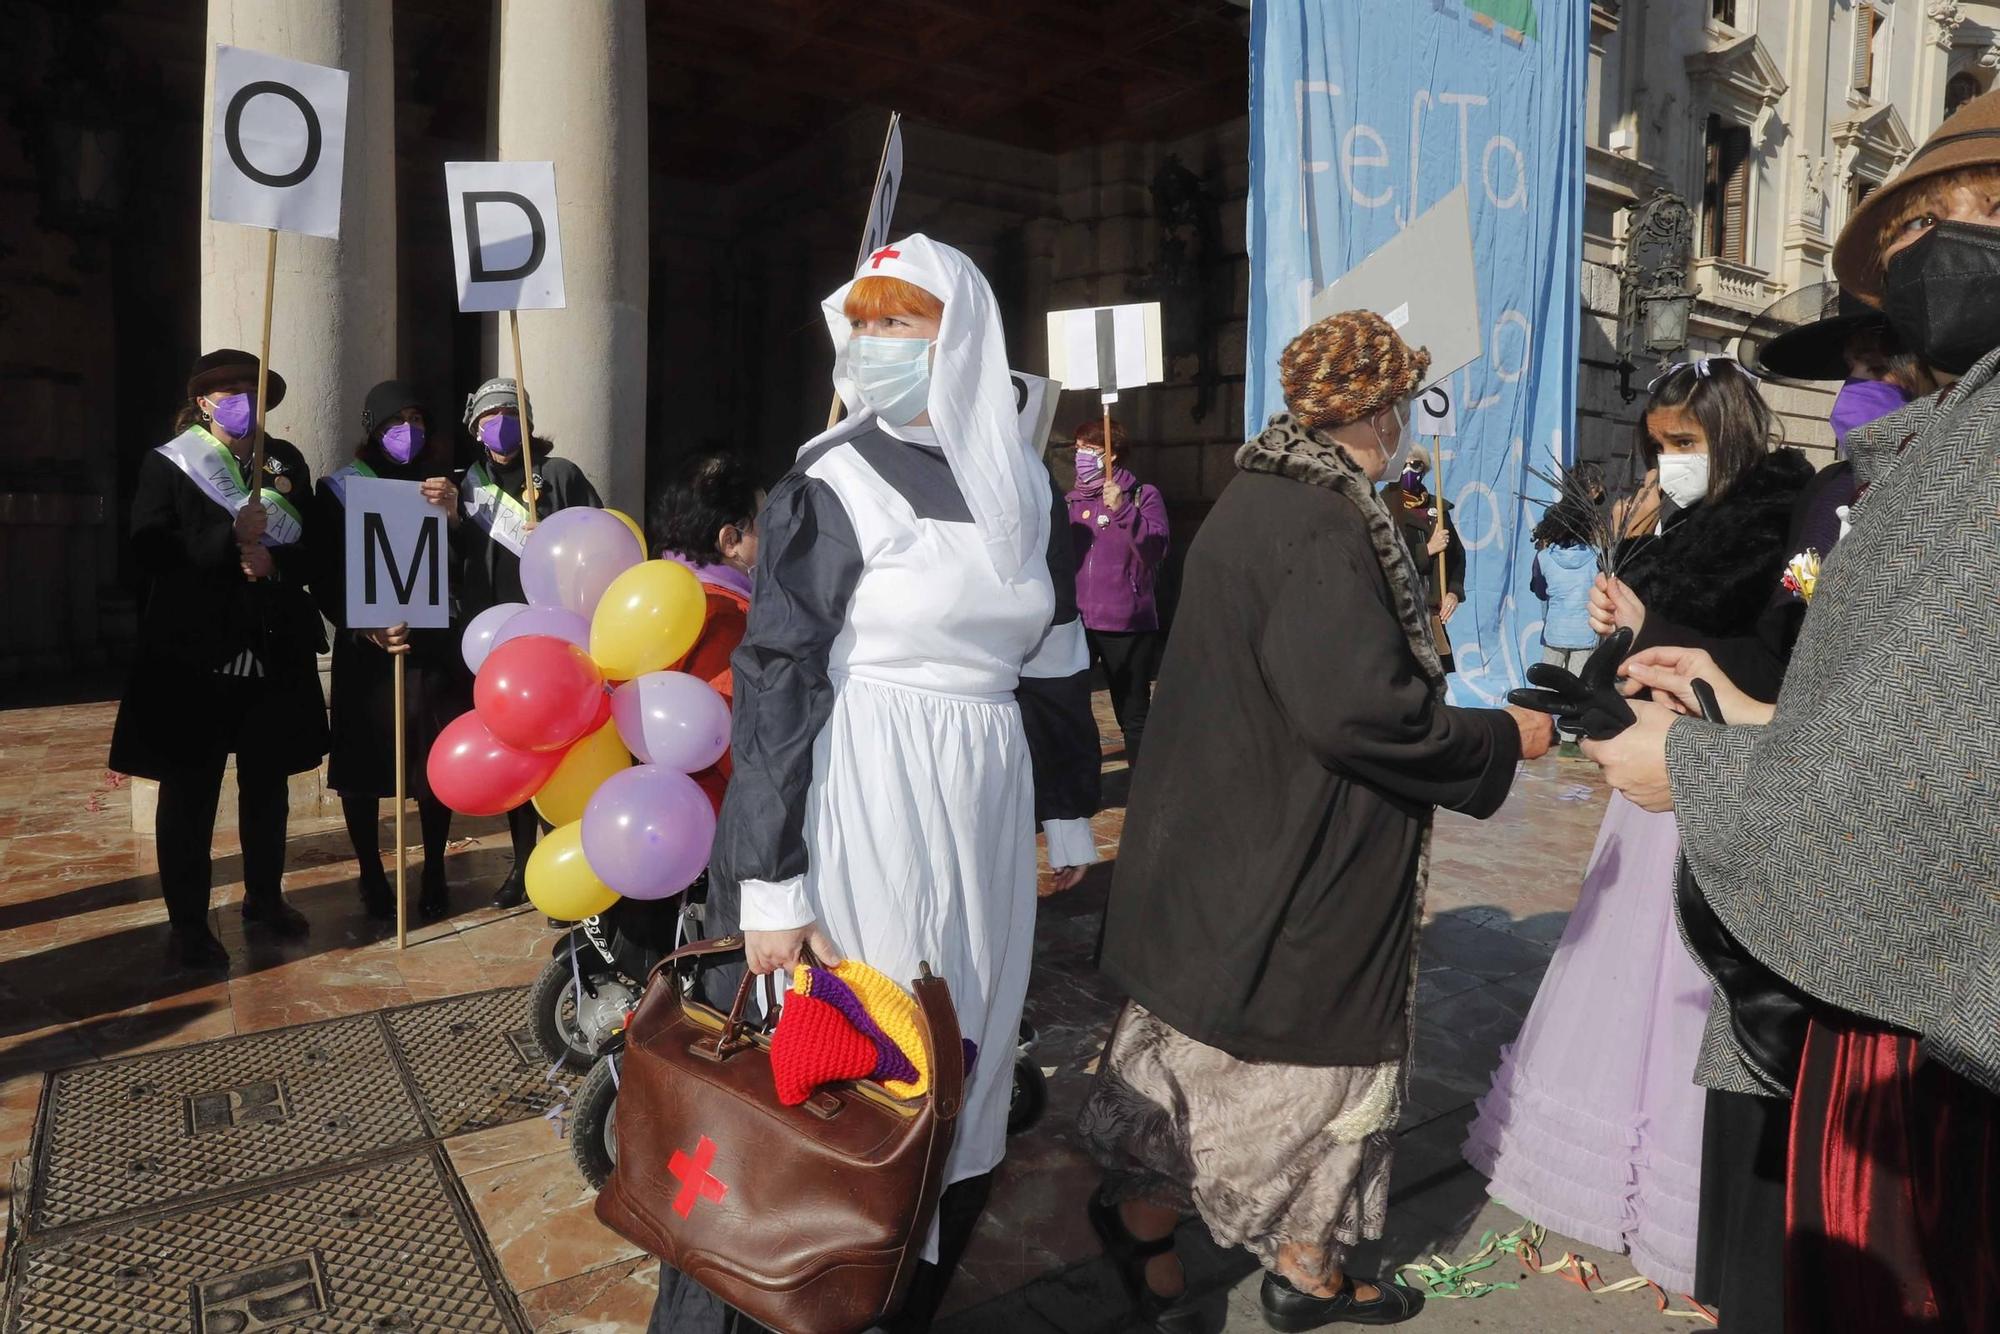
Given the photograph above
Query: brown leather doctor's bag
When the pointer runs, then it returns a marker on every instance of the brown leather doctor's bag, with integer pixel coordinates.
(809, 1219)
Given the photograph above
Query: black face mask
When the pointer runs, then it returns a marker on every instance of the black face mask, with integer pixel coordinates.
(1943, 295)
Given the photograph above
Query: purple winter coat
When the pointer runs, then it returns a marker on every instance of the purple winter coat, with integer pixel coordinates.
(1118, 555)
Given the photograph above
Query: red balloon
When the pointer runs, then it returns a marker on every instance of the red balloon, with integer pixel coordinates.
(540, 693)
(472, 772)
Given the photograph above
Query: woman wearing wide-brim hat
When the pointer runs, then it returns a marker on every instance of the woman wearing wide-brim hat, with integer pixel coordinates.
(1844, 837)
(226, 660)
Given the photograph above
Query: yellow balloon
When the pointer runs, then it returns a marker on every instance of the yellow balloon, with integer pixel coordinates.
(637, 531)
(647, 619)
(589, 762)
(560, 881)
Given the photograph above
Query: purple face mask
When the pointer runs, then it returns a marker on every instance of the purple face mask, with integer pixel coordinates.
(1089, 466)
(234, 413)
(1860, 402)
(501, 434)
(403, 441)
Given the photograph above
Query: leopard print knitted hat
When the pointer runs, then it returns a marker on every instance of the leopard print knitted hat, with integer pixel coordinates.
(1346, 367)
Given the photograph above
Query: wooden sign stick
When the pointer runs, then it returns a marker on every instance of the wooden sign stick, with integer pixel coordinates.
(402, 856)
(1437, 491)
(255, 481)
(1107, 400)
(529, 491)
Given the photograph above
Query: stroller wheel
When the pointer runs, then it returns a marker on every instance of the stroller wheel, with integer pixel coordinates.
(570, 1035)
(1031, 1097)
(593, 1138)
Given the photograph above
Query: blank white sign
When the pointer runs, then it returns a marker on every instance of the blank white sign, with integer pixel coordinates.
(1422, 282)
(277, 142)
(396, 572)
(506, 246)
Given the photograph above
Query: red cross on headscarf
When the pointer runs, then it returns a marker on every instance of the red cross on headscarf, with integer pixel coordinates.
(692, 1173)
(886, 252)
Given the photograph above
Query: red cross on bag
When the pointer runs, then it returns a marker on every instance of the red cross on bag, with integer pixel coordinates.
(692, 1173)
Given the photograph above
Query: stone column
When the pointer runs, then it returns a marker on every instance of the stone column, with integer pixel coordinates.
(333, 332)
(573, 92)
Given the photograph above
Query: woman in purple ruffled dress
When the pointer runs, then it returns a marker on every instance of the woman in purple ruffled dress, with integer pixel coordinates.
(1593, 1125)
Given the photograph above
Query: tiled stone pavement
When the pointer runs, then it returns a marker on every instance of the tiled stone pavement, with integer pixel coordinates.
(81, 978)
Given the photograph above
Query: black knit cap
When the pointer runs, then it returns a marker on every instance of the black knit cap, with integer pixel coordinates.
(385, 402)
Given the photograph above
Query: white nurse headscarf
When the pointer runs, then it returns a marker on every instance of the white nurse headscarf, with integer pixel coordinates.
(972, 402)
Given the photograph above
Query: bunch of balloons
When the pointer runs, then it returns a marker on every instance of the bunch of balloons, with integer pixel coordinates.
(569, 688)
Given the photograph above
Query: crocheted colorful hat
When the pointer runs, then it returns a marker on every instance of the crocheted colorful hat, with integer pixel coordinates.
(891, 1065)
(815, 1045)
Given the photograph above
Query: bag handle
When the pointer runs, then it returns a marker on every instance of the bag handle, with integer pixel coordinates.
(943, 1044)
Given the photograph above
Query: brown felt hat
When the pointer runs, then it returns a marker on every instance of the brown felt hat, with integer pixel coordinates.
(226, 364)
(1970, 138)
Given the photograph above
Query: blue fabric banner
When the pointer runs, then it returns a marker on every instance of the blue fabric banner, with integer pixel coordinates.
(1364, 115)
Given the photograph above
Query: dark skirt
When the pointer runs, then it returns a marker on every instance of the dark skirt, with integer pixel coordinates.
(1895, 1189)
(436, 689)
(174, 717)
(1740, 1244)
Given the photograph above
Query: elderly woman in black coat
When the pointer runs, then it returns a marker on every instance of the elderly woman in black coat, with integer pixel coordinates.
(226, 658)
(1268, 895)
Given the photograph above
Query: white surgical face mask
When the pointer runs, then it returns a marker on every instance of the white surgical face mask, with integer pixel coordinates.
(892, 375)
(1401, 454)
(1684, 478)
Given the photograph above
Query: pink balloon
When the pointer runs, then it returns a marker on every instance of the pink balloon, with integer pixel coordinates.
(474, 774)
(572, 557)
(673, 720)
(540, 694)
(481, 631)
(554, 622)
(648, 831)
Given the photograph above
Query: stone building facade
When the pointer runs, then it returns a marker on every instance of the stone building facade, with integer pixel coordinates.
(713, 166)
(1772, 119)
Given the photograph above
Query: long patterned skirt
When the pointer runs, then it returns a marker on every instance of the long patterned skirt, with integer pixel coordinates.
(1268, 1155)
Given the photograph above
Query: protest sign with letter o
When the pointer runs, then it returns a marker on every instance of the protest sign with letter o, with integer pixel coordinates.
(505, 243)
(278, 143)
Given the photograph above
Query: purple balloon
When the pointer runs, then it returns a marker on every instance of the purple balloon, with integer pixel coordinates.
(673, 720)
(551, 621)
(572, 557)
(480, 632)
(647, 832)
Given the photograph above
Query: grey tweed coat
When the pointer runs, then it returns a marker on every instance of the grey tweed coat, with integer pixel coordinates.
(1853, 845)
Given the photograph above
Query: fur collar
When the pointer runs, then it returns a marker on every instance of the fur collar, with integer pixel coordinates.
(1717, 566)
(1292, 450)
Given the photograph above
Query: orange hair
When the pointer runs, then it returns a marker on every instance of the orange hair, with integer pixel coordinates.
(879, 295)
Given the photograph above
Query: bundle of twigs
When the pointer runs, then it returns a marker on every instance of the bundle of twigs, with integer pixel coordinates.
(1615, 519)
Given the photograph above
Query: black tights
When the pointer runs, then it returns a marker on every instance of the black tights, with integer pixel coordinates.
(184, 825)
(363, 831)
(523, 824)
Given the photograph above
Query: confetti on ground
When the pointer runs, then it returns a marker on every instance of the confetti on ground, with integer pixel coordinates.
(1443, 1279)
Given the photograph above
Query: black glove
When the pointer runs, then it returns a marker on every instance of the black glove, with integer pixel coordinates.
(1590, 704)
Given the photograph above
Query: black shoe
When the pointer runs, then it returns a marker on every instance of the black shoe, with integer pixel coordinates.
(1169, 1315)
(434, 905)
(1290, 1311)
(277, 917)
(196, 947)
(378, 896)
(513, 890)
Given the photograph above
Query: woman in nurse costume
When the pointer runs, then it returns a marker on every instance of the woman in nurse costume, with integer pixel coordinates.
(912, 700)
